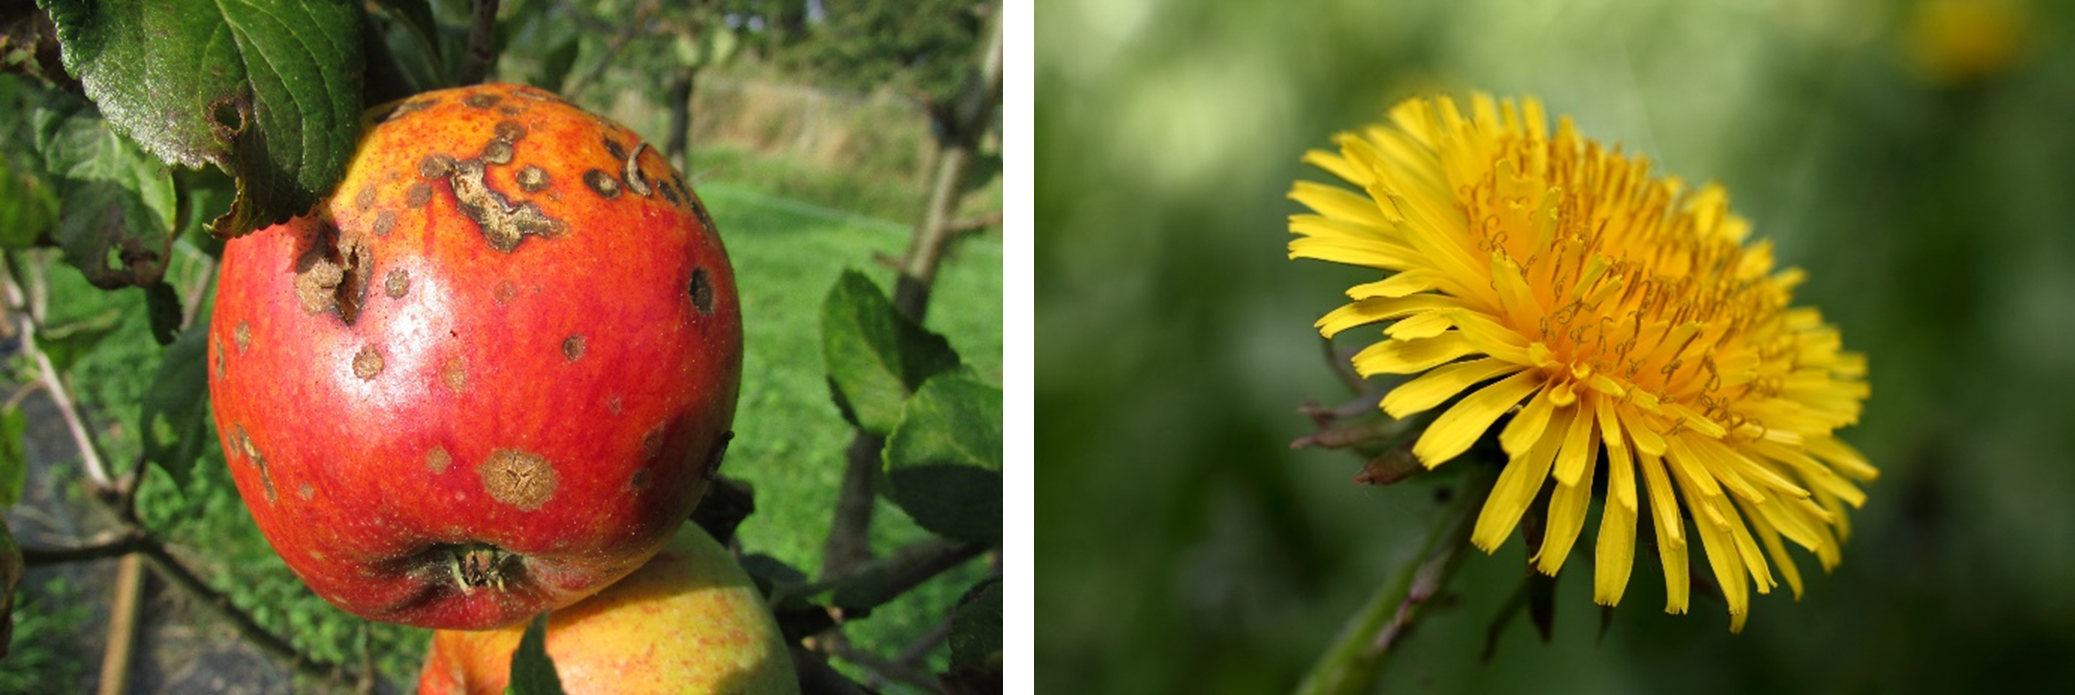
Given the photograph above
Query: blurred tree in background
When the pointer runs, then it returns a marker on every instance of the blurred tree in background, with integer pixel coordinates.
(1912, 156)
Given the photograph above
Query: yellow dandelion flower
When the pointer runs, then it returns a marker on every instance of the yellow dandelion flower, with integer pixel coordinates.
(1621, 313)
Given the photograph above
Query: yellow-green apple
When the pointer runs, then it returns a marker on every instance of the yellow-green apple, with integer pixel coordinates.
(688, 622)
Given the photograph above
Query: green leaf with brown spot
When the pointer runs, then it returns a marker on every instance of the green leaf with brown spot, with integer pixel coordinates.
(943, 462)
(118, 203)
(269, 90)
(876, 356)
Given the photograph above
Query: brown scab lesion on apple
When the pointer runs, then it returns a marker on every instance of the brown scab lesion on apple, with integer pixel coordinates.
(332, 273)
(251, 451)
(519, 478)
(367, 364)
(573, 347)
(701, 289)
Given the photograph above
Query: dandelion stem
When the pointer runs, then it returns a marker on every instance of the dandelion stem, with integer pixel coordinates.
(1351, 664)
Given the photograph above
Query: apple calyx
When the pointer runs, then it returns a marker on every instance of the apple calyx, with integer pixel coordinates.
(480, 564)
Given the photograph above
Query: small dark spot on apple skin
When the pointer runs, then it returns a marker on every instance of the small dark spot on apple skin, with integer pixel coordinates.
(640, 481)
(437, 460)
(365, 199)
(454, 374)
(305, 491)
(533, 179)
(397, 284)
(418, 195)
(481, 101)
(509, 131)
(702, 292)
(385, 222)
(602, 183)
(652, 443)
(573, 347)
(251, 451)
(497, 152)
(437, 165)
(243, 335)
(505, 292)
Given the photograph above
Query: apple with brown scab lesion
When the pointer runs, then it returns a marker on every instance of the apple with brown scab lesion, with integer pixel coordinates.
(497, 367)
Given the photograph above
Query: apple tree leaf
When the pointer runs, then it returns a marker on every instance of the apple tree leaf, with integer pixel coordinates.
(14, 463)
(976, 629)
(28, 208)
(269, 90)
(175, 416)
(943, 461)
(876, 356)
(533, 672)
(119, 203)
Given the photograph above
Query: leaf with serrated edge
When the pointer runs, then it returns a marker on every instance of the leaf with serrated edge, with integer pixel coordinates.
(267, 89)
(943, 461)
(118, 202)
(876, 355)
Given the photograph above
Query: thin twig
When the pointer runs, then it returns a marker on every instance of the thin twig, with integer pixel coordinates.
(818, 678)
(179, 574)
(192, 303)
(114, 544)
(887, 669)
(850, 543)
(873, 584)
(612, 50)
(969, 119)
(922, 646)
(482, 33)
(47, 372)
(974, 224)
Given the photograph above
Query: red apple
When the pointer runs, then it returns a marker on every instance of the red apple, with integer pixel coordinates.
(689, 621)
(490, 375)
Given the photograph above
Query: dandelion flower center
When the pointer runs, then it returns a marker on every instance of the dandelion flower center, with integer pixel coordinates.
(1619, 313)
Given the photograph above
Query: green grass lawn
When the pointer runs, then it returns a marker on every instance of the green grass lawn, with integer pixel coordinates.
(789, 438)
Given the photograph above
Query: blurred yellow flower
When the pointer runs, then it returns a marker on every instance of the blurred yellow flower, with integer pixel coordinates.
(1621, 312)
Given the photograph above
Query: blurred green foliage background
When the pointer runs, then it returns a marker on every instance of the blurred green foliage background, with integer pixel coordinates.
(1917, 158)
